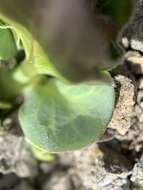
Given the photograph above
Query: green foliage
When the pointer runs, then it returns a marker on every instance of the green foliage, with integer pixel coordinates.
(7, 44)
(42, 155)
(36, 61)
(57, 115)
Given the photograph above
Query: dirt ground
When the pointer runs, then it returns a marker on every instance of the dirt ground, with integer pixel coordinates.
(114, 162)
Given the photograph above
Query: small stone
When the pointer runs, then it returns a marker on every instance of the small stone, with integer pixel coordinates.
(123, 112)
(23, 186)
(101, 170)
(136, 60)
(138, 110)
(15, 156)
(137, 45)
(47, 167)
(58, 182)
(125, 42)
(141, 118)
(137, 174)
(140, 97)
(140, 84)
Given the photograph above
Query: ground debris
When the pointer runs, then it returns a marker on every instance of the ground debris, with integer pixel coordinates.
(123, 112)
(137, 175)
(15, 157)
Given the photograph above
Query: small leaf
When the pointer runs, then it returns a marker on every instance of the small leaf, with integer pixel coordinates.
(41, 155)
(9, 88)
(57, 116)
(36, 61)
(7, 43)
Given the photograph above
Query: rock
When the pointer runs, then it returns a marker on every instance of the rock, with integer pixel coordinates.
(58, 182)
(140, 98)
(140, 84)
(15, 156)
(133, 32)
(136, 60)
(136, 45)
(125, 42)
(123, 112)
(137, 174)
(97, 174)
(8, 181)
(23, 186)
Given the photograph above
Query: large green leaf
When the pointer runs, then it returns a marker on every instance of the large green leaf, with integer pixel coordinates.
(58, 116)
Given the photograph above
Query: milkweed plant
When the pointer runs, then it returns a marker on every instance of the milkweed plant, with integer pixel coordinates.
(56, 114)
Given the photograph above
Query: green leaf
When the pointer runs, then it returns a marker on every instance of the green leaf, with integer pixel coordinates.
(42, 155)
(9, 88)
(36, 61)
(8, 47)
(57, 116)
(12, 37)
